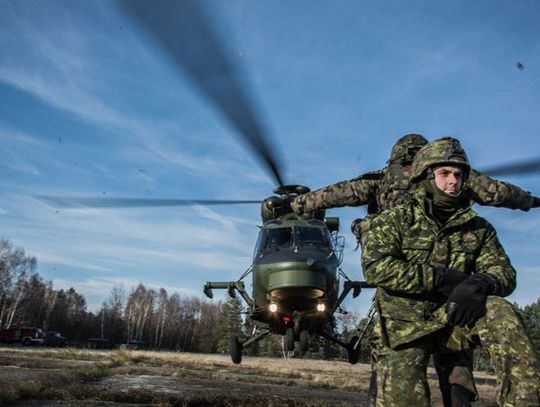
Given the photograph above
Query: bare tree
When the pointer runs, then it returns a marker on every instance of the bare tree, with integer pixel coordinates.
(139, 308)
(113, 308)
(15, 269)
(161, 317)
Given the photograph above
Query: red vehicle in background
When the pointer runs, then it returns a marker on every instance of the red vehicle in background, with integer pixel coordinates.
(26, 336)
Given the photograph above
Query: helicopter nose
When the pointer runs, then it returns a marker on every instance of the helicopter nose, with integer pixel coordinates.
(296, 289)
(294, 293)
(285, 283)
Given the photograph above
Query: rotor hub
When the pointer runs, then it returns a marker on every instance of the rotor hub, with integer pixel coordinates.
(291, 189)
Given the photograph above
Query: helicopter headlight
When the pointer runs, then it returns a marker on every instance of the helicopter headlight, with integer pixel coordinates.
(321, 307)
(272, 307)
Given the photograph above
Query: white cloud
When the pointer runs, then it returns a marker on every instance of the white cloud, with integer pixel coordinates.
(152, 138)
(61, 75)
(56, 259)
(110, 240)
(27, 154)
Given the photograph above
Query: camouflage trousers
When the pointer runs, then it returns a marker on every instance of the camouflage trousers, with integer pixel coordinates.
(452, 368)
(401, 372)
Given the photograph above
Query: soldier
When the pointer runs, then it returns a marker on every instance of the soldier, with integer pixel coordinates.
(389, 187)
(440, 273)
(386, 188)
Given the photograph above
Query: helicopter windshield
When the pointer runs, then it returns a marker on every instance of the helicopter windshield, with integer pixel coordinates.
(302, 237)
(279, 238)
(308, 237)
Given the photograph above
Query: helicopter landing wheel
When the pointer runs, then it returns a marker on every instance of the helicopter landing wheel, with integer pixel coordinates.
(235, 348)
(354, 354)
(304, 340)
(289, 339)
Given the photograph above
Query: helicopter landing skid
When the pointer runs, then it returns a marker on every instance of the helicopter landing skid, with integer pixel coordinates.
(355, 286)
(256, 338)
(236, 347)
(353, 353)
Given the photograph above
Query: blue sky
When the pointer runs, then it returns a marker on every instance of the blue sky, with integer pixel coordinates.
(90, 106)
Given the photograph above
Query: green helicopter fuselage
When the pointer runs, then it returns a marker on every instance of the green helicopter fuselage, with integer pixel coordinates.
(295, 272)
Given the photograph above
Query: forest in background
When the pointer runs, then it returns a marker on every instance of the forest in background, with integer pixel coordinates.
(157, 318)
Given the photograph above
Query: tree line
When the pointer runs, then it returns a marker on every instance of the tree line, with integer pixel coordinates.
(156, 318)
(159, 319)
(146, 315)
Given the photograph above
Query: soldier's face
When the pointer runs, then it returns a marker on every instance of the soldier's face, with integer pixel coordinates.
(449, 179)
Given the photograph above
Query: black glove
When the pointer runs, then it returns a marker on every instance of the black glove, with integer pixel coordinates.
(445, 280)
(536, 202)
(467, 303)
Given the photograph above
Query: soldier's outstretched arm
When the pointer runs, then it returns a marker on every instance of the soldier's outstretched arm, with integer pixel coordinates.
(383, 262)
(355, 192)
(485, 190)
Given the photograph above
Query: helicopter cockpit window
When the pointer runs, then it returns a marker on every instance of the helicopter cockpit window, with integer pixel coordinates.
(307, 237)
(279, 238)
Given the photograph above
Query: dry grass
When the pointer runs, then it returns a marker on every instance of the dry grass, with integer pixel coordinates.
(303, 372)
(75, 374)
(57, 353)
(53, 384)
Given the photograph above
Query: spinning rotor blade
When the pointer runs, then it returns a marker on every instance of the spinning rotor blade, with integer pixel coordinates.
(78, 202)
(519, 168)
(190, 40)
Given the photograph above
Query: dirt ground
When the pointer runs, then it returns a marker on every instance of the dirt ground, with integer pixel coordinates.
(71, 377)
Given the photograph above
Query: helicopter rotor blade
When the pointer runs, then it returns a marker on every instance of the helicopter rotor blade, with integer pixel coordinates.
(82, 202)
(518, 168)
(189, 38)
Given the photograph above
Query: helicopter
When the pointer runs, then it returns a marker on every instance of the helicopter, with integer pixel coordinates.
(295, 269)
(295, 277)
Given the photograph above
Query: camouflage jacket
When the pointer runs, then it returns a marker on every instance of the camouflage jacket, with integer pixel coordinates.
(389, 187)
(402, 250)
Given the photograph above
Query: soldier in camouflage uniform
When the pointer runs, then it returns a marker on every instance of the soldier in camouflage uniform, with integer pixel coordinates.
(389, 187)
(440, 273)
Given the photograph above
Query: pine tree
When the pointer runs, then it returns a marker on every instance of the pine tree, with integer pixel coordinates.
(271, 346)
(230, 323)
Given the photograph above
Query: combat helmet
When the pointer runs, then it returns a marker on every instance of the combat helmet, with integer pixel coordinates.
(406, 148)
(444, 151)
